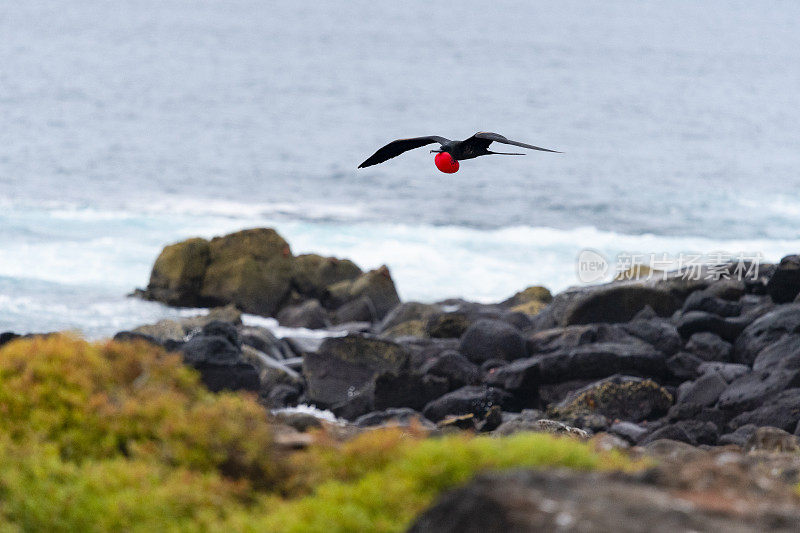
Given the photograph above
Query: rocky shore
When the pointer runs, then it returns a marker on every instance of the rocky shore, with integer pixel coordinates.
(698, 372)
(702, 361)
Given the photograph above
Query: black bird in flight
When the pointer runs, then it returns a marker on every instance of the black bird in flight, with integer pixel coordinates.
(451, 152)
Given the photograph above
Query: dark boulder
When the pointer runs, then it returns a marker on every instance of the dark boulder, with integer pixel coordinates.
(683, 366)
(659, 333)
(343, 366)
(217, 354)
(751, 390)
(283, 395)
(265, 341)
(781, 410)
(407, 389)
(601, 360)
(358, 402)
(422, 350)
(453, 366)
(693, 432)
(558, 339)
(617, 397)
(178, 329)
(709, 347)
(783, 353)
(728, 371)
(784, 319)
(702, 301)
(125, 336)
(402, 416)
(519, 320)
(704, 391)
(618, 303)
(701, 321)
(628, 430)
(698, 413)
(727, 289)
(530, 501)
(358, 310)
(552, 393)
(738, 437)
(520, 377)
(7, 336)
(451, 325)
(309, 314)
(784, 284)
(474, 400)
(492, 339)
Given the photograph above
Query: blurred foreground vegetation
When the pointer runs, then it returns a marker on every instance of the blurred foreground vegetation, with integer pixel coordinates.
(111, 436)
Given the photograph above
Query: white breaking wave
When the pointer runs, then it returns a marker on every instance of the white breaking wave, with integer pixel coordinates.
(427, 262)
(283, 331)
(309, 410)
(70, 267)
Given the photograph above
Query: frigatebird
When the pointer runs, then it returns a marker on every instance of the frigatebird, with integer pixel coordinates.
(451, 152)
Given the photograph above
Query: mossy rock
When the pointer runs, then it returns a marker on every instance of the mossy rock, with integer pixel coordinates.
(338, 294)
(531, 308)
(168, 329)
(407, 311)
(254, 286)
(618, 397)
(377, 285)
(535, 293)
(177, 274)
(312, 273)
(255, 270)
(410, 328)
(163, 330)
(447, 325)
(262, 244)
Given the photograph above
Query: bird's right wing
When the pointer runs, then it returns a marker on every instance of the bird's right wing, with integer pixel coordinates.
(395, 148)
(496, 137)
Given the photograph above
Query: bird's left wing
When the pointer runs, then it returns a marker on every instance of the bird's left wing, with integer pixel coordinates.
(496, 137)
(395, 148)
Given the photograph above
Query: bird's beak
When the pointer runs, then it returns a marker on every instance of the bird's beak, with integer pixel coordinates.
(436, 151)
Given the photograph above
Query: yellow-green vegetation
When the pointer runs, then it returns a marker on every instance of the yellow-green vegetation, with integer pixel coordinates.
(380, 481)
(110, 436)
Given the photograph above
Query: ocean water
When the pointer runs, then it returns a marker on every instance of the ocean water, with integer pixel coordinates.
(128, 125)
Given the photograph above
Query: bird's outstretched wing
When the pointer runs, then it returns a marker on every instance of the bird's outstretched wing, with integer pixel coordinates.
(486, 138)
(395, 148)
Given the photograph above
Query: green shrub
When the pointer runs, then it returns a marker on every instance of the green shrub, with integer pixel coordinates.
(110, 436)
(40, 491)
(382, 491)
(132, 400)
